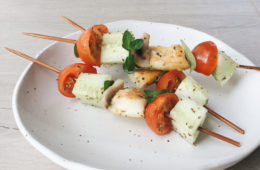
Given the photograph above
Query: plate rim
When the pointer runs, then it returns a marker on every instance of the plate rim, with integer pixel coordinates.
(65, 163)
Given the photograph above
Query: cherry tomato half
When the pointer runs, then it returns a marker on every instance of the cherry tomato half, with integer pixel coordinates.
(89, 44)
(100, 29)
(155, 113)
(170, 80)
(68, 76)
(206, 55)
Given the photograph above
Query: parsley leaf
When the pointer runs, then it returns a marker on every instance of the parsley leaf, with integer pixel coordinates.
(130, 44)
(108, 83)
(76, 51)
(151, 95)
(136, 44)
(129, 65)
(127, 39)
(189, 56)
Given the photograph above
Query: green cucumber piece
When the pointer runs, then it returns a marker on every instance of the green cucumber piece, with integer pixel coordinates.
(112, 51)
(90, 87)
(190, 88)
(225, 68)
(189, 56)
(187, 117)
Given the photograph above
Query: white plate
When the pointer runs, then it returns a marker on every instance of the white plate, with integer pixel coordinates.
(77, 136)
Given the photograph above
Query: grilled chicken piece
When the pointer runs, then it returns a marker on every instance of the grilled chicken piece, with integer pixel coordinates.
(111, 91)
(168, 58)
(129, 102)
(144, 78)
(160, 58)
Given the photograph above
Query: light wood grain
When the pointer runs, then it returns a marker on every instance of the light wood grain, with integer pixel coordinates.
(236, 22)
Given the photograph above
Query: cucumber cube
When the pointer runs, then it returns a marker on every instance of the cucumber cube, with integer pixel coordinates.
(112, 51)
(187, 117)
(90, 87)
(191, 89)
(225, 68)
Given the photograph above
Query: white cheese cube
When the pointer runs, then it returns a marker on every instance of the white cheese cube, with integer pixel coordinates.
(187, 116)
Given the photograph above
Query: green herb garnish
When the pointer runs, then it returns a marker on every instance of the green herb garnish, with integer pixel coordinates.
(130, 44)
(151, 95)
(189, 56)
(108, 83)
(76, 51)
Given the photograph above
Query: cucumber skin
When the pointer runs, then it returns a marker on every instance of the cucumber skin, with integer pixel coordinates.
(225, 68)
(190, 88)
(90, 87)
(112, 51)
(187, 117)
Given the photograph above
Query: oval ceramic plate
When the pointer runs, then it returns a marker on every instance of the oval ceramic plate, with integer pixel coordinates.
(78, 136)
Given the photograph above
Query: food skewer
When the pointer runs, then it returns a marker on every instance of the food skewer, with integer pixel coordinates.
(72, 41)
(213, 113)
(186, 87)
(82, 29)
(58, 71)
(210, 110)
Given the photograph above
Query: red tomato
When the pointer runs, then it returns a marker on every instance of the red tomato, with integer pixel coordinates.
(100, 29)
(89, 44)
(170, 80)
(68, 76)
(155, 113)
(206, 54)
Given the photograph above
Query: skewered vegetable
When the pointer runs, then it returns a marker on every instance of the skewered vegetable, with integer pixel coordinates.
(90, 87)
(112, 51)
(225, 68)
(206, 54)
(191, 89)
(68, 76)
(187, 117)
(155, 113)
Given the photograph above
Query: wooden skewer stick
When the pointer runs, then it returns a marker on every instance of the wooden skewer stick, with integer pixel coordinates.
(51, 37)
(33, 60)
(249, 67)
(74, 24)
(216, 135)
(232, 125)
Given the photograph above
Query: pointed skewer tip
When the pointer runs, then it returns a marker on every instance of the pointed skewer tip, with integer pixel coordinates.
(8, 49)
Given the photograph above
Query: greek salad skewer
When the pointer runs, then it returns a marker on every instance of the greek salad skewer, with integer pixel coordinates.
(215, 62)
(172, 81)
(176, 108)
(186, 87)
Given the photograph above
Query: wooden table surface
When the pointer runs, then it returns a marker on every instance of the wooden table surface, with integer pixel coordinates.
(236, 22)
